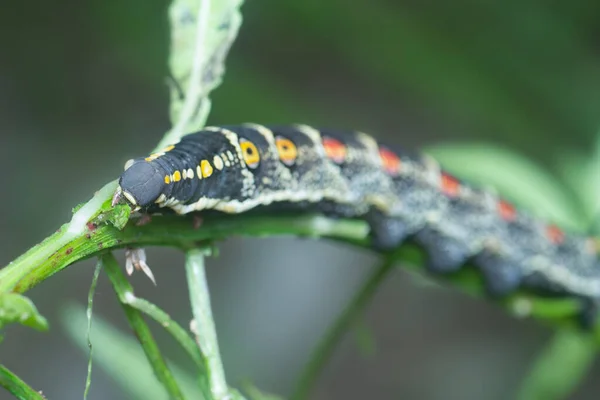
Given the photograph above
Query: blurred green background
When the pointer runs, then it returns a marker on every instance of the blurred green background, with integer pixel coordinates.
(83, 89)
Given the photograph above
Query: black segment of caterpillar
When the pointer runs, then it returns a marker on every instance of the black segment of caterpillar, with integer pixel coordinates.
(234, 169)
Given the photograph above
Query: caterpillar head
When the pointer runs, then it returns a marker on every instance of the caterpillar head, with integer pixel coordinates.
(141, 184)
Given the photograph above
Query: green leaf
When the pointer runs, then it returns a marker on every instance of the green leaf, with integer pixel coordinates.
(202, 31)
(515, 177)
(560, 367)
(19, 309)
(582, 174)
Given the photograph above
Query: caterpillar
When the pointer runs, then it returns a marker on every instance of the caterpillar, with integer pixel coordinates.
(402, 196)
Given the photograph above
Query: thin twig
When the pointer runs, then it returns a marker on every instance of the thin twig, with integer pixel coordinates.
(325, 348)
(141, 329)
(203, 324)
(88, 379)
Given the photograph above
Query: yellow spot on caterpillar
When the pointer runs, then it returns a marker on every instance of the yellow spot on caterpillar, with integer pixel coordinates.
(199, 172)
(225, 159)
(152, 157)
(207, 169)
(167, 179)
(190, 173)
(218, 161)
(250, 153)
(176, 176)
(287, 150)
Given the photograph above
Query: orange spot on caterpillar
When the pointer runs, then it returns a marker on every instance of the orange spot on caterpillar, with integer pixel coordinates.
(287, 150)
(176, 176)
(391, 162)
(506, 210)
(555, 234)
(334, 149)
(450, 185)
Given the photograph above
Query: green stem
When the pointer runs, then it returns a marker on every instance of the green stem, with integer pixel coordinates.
(16, 386)
(141, 329)
(54, 254)
(203, 323)
(38, 255)
(171, 326)
(88, 379)
(325, 348)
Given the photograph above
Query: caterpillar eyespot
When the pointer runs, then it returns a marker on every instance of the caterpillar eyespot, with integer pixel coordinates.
(287, 150)
(401, 196)
(250, 153)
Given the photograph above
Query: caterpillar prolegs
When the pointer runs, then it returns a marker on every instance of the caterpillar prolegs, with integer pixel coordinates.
(234, 169)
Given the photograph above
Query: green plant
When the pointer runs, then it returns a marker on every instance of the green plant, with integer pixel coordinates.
(106, 230)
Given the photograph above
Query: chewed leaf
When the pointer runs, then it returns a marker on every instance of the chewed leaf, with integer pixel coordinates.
(19, 309)
(202, 33)
(515, 177)
(119, 215)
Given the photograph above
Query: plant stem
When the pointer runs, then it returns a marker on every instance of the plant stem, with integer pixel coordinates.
(88, 379)
(203, 323)
(31, 268)
(171, 326)
(325, 348)
(16, 386)
(141, 329)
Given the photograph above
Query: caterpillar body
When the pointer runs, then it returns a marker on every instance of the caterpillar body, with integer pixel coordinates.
(234, 169)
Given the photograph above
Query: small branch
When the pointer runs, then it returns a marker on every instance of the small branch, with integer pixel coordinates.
(17, 387)
(29, 270)
(325, 348)
(171, 326)
(203, 323)
(67, 233)
(139, 326)
(88, 379)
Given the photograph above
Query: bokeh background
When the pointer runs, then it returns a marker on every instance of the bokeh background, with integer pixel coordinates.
(83, 89)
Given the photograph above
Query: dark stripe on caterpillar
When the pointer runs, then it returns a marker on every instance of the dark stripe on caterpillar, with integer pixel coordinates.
(234, 169)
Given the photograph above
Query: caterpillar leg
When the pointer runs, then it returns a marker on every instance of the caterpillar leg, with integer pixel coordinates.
(135, 259)
(446, 254)
(386, 233)
(501, 275)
